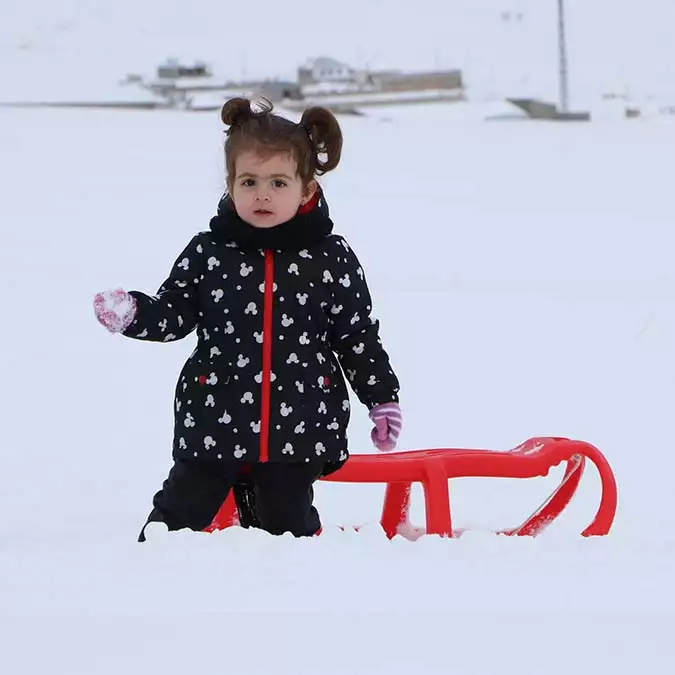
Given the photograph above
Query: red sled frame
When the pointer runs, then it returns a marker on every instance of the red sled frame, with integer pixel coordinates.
(433, 468)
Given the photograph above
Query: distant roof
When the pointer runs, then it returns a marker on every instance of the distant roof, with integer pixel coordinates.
(176, 63)
(324, 63)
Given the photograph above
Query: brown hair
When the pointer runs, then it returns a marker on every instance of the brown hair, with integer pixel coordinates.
(315, 142)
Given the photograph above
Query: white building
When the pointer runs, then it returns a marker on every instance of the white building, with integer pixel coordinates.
(325, 69)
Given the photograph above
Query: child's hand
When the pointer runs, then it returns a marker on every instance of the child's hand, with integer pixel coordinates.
(115, 310)
(388, 422)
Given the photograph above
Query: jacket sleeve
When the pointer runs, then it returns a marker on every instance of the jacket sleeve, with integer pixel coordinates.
(173, 312)
(354, 333)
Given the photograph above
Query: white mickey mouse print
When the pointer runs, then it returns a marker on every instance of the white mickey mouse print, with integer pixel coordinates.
(316, 323)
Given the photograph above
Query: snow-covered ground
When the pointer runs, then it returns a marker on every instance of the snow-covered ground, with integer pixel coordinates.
(523, 276)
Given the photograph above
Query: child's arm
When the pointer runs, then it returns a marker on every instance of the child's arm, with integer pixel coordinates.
(172, 313)
(355, 334)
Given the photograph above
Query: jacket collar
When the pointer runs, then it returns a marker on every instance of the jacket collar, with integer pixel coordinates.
(309, 226)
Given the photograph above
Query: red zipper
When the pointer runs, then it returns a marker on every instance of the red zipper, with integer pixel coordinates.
(266, 391)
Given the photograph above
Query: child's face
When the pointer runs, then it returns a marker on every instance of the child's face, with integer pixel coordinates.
(267, 192)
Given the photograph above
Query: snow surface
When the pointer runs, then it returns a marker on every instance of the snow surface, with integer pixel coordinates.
(523, 276)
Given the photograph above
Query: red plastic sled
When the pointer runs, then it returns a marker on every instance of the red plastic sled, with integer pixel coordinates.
(433, 469)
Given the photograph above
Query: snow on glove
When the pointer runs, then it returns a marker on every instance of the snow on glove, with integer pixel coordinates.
(388, 422)
(115, 310)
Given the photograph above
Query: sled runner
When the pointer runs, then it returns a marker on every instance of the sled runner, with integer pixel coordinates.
(433, 468)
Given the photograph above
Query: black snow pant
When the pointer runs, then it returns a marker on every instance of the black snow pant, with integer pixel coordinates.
(276, 497)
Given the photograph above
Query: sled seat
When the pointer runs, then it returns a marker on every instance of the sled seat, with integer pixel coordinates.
(434, 467)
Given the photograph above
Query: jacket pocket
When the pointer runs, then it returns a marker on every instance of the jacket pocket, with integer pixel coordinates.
(326, 396)
(201, 386)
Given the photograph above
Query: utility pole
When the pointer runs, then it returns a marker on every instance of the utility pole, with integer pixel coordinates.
(562, 59)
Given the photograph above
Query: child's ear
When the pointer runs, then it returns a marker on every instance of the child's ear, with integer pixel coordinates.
(310, 191)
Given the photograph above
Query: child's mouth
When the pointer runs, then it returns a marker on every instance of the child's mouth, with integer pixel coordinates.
(262, 212)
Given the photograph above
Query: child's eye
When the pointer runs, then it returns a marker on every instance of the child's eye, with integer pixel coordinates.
(247, 182)
(279, 183)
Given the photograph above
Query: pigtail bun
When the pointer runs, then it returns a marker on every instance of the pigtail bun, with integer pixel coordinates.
(236, 111)
(326, 137)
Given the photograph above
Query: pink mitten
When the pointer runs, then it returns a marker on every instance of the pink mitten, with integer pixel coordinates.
(115, 310)
(388, 422)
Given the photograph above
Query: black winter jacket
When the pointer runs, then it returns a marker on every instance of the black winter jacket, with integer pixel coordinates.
(272, 308)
